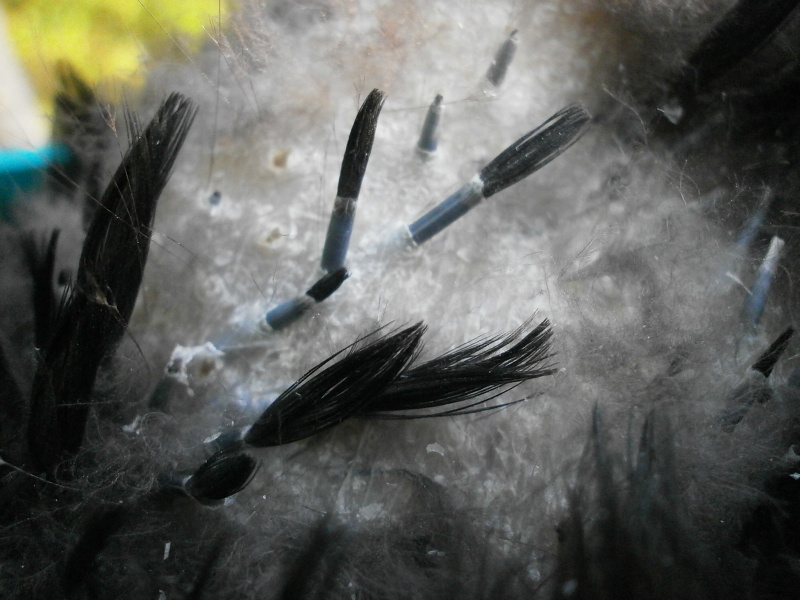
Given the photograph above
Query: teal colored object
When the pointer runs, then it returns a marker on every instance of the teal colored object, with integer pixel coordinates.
(22, 171)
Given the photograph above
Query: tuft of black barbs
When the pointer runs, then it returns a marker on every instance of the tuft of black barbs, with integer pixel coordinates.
(335, 390)
(527, 155)
(92, 317)
(377, 378)
(351, 175)
(340, 228)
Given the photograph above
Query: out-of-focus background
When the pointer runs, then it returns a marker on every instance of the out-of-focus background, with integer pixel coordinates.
(108, 42)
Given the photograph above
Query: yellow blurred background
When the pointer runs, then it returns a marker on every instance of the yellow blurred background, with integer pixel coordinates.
(107, 41)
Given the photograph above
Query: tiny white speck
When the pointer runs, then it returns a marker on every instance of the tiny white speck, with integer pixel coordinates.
(134, 426)
(437, 448)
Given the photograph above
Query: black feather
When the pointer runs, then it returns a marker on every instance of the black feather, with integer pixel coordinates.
(330, 393)
(534, 150)
(110, 272)
(359, 145)
(354, 166)
(468, 372)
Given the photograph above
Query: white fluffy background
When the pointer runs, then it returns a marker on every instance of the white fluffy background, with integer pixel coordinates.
(609, 242)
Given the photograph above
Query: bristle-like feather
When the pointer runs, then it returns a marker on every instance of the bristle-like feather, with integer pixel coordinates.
(110, 272)
(524, 157)
(334, 391)
(359, 145)
(534, 150)
(467, 372)
(117, 243)
(354, 166)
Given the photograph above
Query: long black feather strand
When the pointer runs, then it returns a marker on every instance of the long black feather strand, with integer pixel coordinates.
(467, 372)
(110, 272)
(376, 380)
(327, 395)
